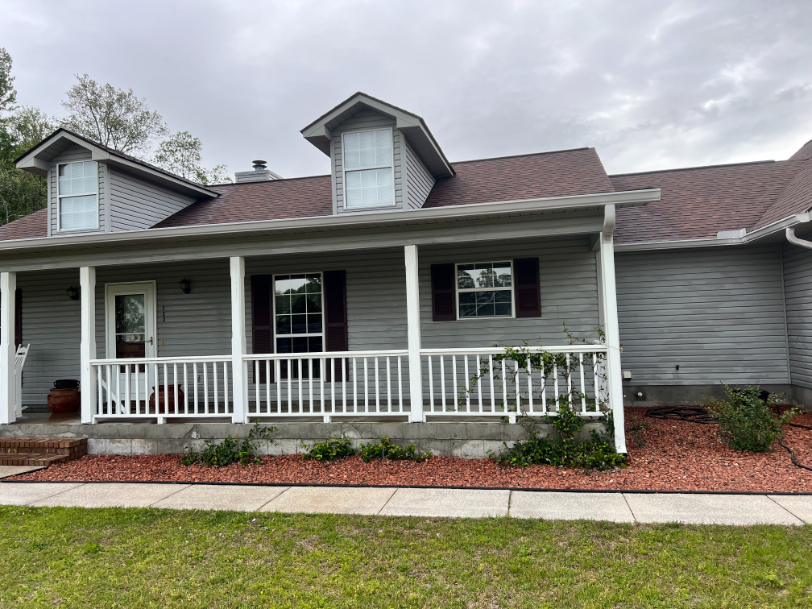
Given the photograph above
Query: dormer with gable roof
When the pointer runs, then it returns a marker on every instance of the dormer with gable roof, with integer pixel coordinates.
(95, 189)
(382, 157)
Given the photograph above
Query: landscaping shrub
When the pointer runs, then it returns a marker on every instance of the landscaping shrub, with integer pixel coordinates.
(563, 448)
(746, 421)
(230, 450)
(386, 450)
(336, 448)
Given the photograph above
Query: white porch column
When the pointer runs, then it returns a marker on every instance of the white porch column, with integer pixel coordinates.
(8, 383)
(238, 341)
(608, 296)
(87, 349)
(413, 332)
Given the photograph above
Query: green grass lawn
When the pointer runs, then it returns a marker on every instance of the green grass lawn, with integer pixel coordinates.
(73, 557)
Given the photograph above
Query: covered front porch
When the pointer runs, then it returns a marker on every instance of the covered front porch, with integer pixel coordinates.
(203, 357)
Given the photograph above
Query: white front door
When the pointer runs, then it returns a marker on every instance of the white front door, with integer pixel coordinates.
(130, 330)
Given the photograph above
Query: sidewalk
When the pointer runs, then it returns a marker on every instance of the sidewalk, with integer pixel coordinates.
(422, 502)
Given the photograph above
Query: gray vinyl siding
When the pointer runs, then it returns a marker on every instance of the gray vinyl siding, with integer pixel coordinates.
(718, 313)
(798, 286)
(365, 120)
(131, 203)
(199, 323)
(51, 326)
(569, 295)
(419, 181)
(72, 154)
(137, 204)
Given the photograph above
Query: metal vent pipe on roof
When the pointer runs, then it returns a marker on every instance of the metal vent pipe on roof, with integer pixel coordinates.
(260, 173)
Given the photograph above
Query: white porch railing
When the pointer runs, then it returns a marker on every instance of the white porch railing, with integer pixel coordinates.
(163, 387)
(455, 382)
(479, 382)
(360, 383)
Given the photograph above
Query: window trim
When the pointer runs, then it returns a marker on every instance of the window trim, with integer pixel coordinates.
(60, 196)
(512, 291)
(345, 171)
(276, 334)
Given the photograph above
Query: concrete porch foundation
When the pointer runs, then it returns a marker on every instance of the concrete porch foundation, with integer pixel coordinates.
(467, 439)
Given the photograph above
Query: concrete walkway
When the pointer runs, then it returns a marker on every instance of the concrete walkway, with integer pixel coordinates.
(434, 502)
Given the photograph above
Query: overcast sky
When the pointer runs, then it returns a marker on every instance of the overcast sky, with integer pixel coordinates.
(650, 84)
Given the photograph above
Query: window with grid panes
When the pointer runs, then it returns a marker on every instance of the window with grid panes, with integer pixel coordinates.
(368, 175)
(298, 309)
(78, 187)
(485, 289)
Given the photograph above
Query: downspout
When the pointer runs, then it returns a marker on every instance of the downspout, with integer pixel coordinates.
(790, 232)
(802, 219)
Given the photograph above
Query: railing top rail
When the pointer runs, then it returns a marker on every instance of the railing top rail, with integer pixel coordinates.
(160, 360)
(489, 350)
(326, 354)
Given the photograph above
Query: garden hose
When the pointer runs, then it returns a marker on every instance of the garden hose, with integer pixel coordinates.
(696, 414)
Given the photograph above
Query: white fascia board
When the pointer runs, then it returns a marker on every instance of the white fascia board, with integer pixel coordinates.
(760, 233)
(103, 156)
(355, 220)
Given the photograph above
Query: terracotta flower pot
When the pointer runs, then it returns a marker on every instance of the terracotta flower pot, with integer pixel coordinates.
(64, 400)
(161, 402)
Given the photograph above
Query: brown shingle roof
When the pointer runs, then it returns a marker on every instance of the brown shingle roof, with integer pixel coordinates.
(27, 227)
(530, 176)
(701, 201)
(252, 201)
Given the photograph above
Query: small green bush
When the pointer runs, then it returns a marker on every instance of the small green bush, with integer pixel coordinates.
(336, 448)
(386, 450)
(230, 450)
(746, 421)
(563, 448)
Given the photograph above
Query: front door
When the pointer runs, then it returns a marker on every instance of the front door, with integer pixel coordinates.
(130, 332)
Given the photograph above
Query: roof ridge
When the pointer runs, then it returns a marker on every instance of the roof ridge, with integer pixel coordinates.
(637, 173)
(514, 156)
(323, 175)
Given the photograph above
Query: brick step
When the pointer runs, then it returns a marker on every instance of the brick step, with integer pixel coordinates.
(32, 459)
(70, 448)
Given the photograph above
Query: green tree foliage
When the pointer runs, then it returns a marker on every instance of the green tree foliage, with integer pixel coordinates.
(21, 193)
(113, 117)
(8, 95)
(182, 154)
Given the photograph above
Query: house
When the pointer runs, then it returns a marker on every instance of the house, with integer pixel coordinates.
(322, 296)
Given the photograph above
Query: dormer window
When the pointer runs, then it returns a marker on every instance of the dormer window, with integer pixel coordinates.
(78, 193)
(368, 173)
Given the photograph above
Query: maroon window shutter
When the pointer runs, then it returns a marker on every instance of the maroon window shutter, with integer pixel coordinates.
(262, 321)
(443, 306)
(528, 287)
(336, 336)
(18, 318)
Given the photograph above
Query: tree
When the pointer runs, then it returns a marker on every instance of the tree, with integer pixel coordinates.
(8, 95)
(20, 192)
(182, 154)
(113, 117)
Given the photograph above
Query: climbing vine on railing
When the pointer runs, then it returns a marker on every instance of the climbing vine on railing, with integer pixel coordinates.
(527, 363)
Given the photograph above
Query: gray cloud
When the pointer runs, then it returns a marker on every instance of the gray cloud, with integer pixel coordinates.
(649, 84)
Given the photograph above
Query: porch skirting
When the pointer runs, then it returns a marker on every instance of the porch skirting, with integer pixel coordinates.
(459, 439)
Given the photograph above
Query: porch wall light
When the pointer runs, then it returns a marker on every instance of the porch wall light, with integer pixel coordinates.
(185, 286)
(74, 293)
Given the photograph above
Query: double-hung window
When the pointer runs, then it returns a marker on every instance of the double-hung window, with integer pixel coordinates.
(78, 194)
(368, 173)
(485, 289)
(298, 310)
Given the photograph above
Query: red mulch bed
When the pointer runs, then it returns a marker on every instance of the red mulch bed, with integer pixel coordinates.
(676, 456)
